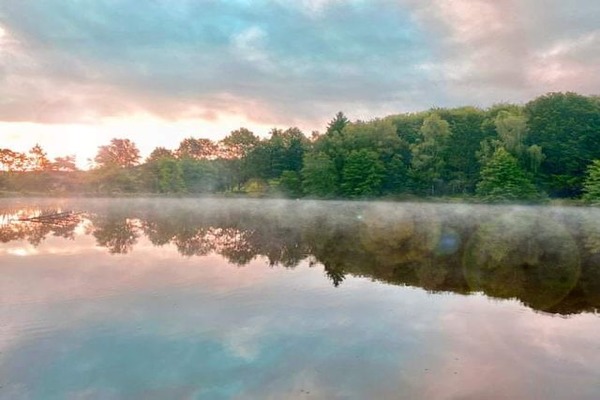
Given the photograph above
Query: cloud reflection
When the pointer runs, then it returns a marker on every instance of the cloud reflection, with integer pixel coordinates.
(153, 318)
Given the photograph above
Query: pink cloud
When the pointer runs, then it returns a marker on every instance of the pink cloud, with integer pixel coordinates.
(568, 65)
(509, 351)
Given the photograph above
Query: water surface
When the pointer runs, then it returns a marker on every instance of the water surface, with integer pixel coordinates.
(194, 299)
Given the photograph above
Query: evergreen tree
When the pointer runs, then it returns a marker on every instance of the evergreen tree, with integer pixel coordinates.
(503, 179)
(338, 123)
(363, 174)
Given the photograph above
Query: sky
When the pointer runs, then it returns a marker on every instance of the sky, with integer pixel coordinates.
(76, 73)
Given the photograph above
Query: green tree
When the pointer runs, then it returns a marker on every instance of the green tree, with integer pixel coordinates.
(338, 123)
(319, 175)
(290, 183)
(378, 136)
(286, 150)
(234, 151)
(512, 130)
(427, 161)
(363, 174)
(283, 151)
(461, 167)
(199, 176)
(591, 185)
(503, 179)
(238, 143)
(170, 176)
(566, 126)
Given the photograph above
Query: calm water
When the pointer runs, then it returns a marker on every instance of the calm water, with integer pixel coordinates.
(228, 299)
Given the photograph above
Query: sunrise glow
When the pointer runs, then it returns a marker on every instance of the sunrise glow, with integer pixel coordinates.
(80, 76)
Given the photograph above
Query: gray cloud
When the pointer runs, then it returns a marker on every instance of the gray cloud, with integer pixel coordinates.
(490, 51)
(287, 62)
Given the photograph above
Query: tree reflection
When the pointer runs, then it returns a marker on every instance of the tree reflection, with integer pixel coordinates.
(115, 232)
(29, 224)
(523, 256)
(549, 262)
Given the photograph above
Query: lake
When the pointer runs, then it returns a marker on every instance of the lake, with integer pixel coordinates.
(274, 299)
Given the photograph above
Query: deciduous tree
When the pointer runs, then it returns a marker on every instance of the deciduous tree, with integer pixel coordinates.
(591, 185)
(567, 127)
(120, 153)
(319, 175)
(427, 161)
(38, 159)
(198, 149)
(159, 153)
(66, 164)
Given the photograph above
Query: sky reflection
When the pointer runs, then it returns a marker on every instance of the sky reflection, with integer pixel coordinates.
(80, 322)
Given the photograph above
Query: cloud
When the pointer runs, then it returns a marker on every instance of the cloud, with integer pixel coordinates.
(570, 64)
(280, 56)
(488, 51)
(286, 63)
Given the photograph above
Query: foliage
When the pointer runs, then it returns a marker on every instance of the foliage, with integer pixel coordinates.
(38, 159)
(290, 183)
(170, 176)
(461, 168)
(437, 152)
(238, 143)
(338, 123)
(363, 174)
(120, 153)
(512, 130)
(197, 149)
(503, 179)
(591, 185)
(319, 175)
(427, 161)
(567, 127)
(12, 160)
(199, 176)
(66, 164)
(159, 153)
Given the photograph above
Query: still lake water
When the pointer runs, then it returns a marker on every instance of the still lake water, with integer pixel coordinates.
(263, 299)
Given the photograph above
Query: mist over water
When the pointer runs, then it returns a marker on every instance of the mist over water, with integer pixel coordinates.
(231, 298)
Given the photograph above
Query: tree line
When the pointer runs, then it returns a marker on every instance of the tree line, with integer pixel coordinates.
(548, 147)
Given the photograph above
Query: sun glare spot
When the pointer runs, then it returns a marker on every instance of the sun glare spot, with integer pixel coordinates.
(21, 251)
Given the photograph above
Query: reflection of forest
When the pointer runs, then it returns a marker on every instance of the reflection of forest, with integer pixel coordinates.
(547, 258)
(33, 230)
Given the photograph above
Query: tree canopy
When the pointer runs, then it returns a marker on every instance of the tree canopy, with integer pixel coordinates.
(120, 153)
(503, 179)
(505, 152)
